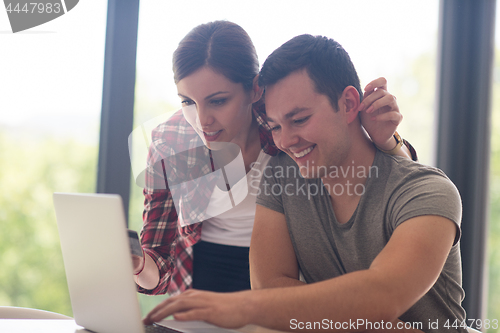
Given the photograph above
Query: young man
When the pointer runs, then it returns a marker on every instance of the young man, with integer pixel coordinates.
(346, 238)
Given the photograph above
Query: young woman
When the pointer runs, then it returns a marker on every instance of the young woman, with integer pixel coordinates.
(216, 68)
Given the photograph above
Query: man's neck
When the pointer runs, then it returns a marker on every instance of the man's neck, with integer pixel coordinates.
(346, 182)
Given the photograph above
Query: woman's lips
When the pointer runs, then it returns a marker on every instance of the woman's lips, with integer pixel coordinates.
(212, 136)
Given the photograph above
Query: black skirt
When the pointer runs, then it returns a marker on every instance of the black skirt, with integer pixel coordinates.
(221, 268)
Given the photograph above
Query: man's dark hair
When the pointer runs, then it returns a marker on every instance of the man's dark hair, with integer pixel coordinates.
(221, 45)
(327, 63)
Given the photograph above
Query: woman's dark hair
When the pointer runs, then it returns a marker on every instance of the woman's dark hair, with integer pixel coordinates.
(221, 45)
(327, 63)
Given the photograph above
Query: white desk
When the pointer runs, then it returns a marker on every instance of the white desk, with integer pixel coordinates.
(40, 326)
(69, 326)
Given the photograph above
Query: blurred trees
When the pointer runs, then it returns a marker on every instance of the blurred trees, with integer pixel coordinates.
(494, 202)
(32, 168)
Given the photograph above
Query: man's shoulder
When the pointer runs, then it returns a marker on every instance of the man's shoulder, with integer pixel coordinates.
(405, 178)
(412, 189)
(398, 167)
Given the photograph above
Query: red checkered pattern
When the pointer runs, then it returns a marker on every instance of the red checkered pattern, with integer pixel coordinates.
(163, 237)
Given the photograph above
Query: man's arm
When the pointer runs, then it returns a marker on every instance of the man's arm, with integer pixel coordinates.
(399, 276)
(272, 258)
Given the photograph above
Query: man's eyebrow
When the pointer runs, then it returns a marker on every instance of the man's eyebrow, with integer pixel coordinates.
(208, 97)
(289, 114)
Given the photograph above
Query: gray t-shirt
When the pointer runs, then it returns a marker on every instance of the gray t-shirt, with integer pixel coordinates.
(395, 190)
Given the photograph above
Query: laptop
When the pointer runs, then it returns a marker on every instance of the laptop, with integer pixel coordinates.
(98, 265)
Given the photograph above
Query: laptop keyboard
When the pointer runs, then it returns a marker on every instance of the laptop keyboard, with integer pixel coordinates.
(158, 329)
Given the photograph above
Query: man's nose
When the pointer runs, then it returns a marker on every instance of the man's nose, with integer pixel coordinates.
(287, 138)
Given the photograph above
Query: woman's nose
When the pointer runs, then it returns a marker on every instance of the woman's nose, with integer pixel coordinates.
(206, 118)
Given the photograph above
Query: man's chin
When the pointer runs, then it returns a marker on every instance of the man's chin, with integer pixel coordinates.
(311, 172)
(304, 172)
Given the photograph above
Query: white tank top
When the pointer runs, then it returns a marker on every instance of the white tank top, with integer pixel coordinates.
(234, 226)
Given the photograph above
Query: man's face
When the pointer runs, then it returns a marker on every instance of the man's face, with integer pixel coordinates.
(305, 125)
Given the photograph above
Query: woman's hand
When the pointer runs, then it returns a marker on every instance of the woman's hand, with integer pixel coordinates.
(138, 263)
(380, 114)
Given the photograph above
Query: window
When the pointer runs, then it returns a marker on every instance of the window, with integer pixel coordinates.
(493, 249)
(50, 97)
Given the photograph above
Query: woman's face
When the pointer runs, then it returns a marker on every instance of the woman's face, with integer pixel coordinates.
(224, 108)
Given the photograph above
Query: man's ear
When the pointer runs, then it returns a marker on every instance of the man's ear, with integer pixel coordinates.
(350, 98)
(256, 89)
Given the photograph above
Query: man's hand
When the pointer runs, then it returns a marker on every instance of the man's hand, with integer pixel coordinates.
(380, 114)
(229, 310)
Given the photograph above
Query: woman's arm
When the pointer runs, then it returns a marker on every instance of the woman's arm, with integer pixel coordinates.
(158, 237)
(380, 117)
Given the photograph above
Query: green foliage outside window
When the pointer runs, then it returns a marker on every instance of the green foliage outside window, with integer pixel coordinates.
(32, 168)
(493, 252)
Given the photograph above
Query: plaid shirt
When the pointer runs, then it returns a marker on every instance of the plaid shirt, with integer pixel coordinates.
(168, 241)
